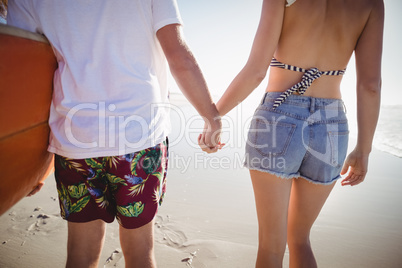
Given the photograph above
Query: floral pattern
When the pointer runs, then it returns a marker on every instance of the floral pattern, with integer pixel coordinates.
(126, 187)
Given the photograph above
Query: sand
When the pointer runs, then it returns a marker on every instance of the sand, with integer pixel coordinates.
(208, 219)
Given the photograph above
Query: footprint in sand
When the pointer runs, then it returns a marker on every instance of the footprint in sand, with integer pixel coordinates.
(189, 260)
(41, 220)
(113, 259)
(43, 223)
(166, 233)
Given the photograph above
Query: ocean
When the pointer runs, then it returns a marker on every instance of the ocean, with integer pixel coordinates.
(388, 136)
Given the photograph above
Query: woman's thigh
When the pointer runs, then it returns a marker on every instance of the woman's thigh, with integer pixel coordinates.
(272, 199)
(306, 202)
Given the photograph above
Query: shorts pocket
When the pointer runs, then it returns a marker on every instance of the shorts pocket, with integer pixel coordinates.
(270, 138)
(339, 146)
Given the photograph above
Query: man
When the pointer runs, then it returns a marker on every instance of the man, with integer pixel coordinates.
(108, 119)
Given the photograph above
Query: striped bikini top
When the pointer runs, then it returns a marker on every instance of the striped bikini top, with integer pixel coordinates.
(308, 78)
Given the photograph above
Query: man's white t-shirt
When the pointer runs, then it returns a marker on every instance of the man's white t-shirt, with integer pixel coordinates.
(110, 89)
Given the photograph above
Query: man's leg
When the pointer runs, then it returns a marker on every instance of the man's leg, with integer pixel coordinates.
(138, 246)
(137, 198)
(85, 242)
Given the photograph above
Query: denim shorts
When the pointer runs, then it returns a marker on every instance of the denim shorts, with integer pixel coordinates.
(127, 187)
(304, 137)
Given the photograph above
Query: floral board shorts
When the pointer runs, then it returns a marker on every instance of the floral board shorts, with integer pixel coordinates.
(129, 187)
(304, 137)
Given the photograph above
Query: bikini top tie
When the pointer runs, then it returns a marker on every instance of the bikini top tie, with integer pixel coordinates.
(308, 78)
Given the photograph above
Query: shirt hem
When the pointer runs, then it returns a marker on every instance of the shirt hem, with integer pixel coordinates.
(102, 153)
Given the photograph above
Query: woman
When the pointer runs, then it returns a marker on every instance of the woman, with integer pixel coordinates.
(301, 121)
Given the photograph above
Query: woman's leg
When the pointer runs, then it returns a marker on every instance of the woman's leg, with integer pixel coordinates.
(85, 242)
(272, 200)
(306, 201)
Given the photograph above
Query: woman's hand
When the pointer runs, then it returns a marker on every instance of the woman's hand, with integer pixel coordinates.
(210, 139)
(357, 164)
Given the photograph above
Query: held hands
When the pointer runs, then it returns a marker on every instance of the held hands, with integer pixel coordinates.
(357, 164)
(210, 139)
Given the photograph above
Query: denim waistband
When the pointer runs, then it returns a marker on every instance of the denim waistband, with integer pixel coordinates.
(311, 103)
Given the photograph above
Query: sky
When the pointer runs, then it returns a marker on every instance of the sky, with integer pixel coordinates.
(220, 34)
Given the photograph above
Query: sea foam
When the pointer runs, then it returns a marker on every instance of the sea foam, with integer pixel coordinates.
(388, 135)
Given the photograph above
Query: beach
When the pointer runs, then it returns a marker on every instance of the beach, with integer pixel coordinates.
(208, 216)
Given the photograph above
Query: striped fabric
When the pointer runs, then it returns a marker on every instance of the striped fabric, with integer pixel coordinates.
(308, 78)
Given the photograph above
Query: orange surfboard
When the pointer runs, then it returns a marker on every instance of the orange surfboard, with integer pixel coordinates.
(27, 66)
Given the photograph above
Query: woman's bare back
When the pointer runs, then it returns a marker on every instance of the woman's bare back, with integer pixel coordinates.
(321, 34)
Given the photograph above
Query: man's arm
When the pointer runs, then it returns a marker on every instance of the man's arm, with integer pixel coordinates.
(190, 80)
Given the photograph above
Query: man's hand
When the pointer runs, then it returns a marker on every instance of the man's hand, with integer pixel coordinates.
(36, 189)
(210, 139)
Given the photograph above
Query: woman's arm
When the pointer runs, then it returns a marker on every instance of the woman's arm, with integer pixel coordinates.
(368, 54)
(265, 43)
